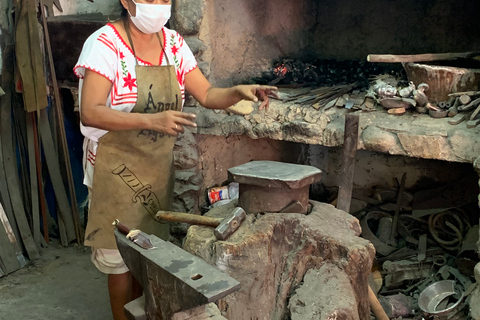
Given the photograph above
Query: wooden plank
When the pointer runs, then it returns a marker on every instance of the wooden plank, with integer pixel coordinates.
(457, 119)
(20, 140)
(422, 57)
(38, 165)
(61, 126)
(33, 179)
(9, 158)
(4, 193)
(468, 93)
(8, 257)
(65, 217)
(348, 163)
(12, 179)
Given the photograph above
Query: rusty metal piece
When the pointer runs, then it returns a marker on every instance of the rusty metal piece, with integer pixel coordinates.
(397, 102)
(422, 248)
(384, 90)
(438, 113)
(381, 247)
(411, 228)
(270, 186)
(467, 257)
(403, 270)
(437, 225)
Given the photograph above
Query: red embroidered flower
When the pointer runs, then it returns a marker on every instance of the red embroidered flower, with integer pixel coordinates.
(122, 55)
(175, 49)
(129, 82)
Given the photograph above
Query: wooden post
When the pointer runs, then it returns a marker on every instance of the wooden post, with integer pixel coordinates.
(348, 166)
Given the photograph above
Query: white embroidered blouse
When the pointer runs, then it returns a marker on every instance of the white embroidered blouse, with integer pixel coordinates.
(107, 53)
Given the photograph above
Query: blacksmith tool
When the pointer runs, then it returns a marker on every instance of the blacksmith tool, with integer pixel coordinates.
(224, 227)
(134, 235)
(173, 279)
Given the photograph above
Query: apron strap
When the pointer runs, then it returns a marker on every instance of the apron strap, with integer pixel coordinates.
(127, 30)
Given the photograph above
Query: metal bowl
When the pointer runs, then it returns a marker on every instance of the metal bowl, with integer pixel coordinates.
(433, 295)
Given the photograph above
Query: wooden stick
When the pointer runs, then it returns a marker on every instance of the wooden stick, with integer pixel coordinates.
(348, 164)
(393, 231)
(375, 306)
(468, 93)
(38, 164)
(420, 57)
(8, 258)
(33, 180)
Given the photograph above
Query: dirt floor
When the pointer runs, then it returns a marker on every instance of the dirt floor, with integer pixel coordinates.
(63, 284)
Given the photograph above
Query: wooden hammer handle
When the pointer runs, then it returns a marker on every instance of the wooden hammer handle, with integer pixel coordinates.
(375, 306)
(189, 218)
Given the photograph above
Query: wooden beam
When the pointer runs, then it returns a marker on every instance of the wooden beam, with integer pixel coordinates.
(65, 218)
(422, 57)
(348, 165)
(33, 179)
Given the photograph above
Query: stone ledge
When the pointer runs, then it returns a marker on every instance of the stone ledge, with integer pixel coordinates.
(412, 135)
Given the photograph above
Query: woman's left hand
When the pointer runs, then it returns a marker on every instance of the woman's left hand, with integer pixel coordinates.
(257, 92)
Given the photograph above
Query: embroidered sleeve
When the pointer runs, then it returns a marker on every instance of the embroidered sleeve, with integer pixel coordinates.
(183, 57)
(99, 54)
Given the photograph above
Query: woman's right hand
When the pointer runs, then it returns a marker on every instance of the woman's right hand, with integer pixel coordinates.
(170, 121)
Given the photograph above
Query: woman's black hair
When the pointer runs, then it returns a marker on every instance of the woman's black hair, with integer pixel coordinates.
(124, 11)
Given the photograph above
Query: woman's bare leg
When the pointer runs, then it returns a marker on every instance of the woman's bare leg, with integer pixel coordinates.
(120, 290)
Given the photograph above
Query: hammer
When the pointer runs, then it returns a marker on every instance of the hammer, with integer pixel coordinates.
(224, 227)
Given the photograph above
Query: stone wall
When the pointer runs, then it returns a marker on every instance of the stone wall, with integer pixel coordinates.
(243, 37)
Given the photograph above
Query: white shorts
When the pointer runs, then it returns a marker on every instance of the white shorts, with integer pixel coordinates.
(108, 261)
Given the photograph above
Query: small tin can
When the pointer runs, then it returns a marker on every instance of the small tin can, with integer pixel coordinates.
(217, 193)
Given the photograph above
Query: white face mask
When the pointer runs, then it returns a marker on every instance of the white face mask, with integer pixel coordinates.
(151, 18)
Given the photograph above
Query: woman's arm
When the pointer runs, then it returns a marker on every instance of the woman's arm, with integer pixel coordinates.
(94, 112)
(220, 98)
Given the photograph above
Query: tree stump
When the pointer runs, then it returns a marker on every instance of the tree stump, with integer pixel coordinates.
(290, 265)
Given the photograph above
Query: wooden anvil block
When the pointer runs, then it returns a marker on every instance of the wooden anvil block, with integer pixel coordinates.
(173, 279)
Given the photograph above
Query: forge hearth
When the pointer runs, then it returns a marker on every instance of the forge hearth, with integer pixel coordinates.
(291, 265)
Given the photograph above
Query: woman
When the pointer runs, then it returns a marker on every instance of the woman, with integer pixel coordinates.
(133, 76)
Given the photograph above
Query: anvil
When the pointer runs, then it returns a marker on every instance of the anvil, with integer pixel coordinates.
(173, 279)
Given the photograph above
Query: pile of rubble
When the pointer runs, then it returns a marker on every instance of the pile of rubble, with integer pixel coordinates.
(425, 254)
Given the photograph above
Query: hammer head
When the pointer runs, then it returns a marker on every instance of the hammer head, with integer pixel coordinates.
(230, 224)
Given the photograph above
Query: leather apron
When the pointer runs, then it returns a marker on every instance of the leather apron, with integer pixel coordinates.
(134, 175)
